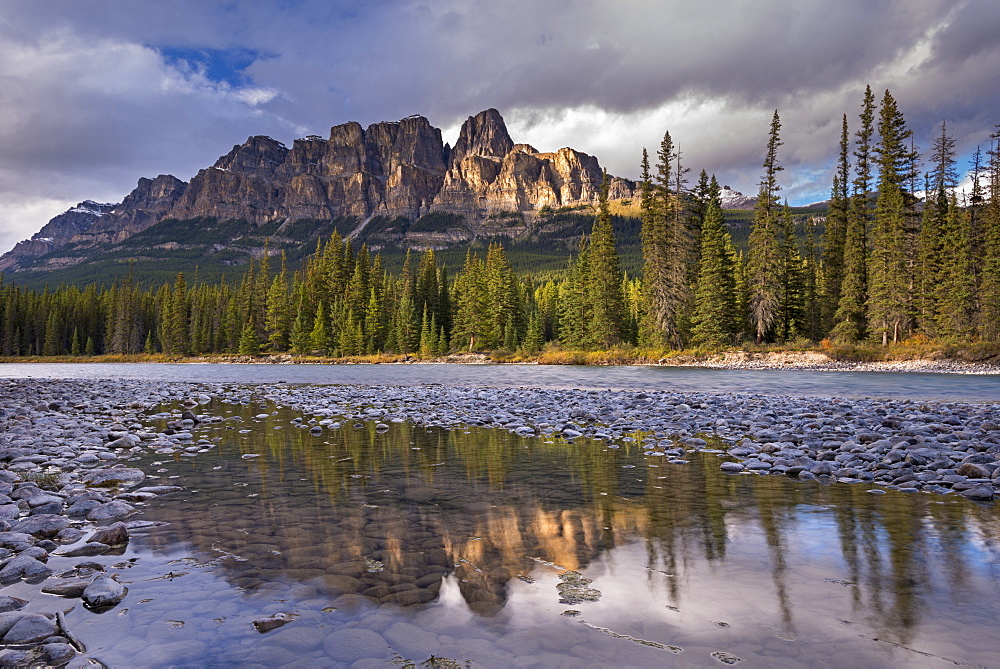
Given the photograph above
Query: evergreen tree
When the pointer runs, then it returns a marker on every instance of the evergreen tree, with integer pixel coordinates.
(791, 307)
(603, 282)
(835, 233)
(249, 344)
(764, 262)
(851, 317)
(714, 322)
(889, 299)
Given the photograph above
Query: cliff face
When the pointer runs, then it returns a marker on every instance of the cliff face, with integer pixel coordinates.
(56, 233)
(390, 169)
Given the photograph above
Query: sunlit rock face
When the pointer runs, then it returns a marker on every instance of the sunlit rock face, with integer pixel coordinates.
(487, 184)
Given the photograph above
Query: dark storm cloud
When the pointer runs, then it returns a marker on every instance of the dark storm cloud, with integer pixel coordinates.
(95, 94)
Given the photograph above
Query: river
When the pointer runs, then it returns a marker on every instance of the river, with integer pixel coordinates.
(909, 385)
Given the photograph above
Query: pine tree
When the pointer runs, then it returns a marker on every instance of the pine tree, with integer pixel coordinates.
(764, 262)
(851, 316)
(249, 344)
(603, 282)
(835, 233)
(989, 311)
(790, 317)
(889, 299)
(714, 322)
(278, 323)
(319, 336)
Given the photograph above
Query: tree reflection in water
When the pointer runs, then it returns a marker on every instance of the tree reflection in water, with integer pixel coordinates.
(474, 507)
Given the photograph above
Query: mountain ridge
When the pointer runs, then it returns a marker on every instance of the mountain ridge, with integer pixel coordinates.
(391, 171)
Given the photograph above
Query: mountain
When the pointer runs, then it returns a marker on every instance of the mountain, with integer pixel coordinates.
(732, 199)
(56, 233)
(392, 184)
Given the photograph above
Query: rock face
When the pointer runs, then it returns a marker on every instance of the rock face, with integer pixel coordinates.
(56, 233)
(486, 184)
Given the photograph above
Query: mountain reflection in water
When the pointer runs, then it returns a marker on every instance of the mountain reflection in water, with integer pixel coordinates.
(358, 518)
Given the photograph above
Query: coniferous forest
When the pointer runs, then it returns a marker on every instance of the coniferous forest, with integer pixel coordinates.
(901, 253)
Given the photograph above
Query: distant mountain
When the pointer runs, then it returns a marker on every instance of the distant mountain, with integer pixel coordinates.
(393, 184)
(732, 199)
(56, 233)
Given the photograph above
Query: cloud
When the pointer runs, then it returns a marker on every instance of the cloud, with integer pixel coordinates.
(102, 92)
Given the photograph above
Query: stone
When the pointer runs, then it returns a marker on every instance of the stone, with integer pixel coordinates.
(11, 603)
(56, 654)
(41, 527)
(354, 643)
(115, 534)
(111, 510)
(31, 627)
(273, 622)
(731, 467)
(113, 477)
(104, 591)
(24, 566)
(411, 641)
(66, 588)
(979, 493)
(88, 549)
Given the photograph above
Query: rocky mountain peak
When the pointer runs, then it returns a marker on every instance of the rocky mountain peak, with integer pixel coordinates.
(484, 134)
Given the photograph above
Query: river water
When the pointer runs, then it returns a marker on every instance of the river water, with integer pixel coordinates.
(484, 547)
(911, 385)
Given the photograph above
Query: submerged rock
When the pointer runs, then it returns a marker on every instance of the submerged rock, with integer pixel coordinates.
(104, 591)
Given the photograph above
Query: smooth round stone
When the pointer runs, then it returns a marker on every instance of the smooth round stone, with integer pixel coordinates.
(104, 591)
(111, 510)
(32, 627)
(352, 644)
(731, 467)
(411, 641)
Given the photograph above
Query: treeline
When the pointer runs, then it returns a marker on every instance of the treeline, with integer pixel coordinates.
(899, 253)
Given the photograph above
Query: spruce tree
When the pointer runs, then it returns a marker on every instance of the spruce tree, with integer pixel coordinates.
(714, 322)
(835, 233)
(764, 255)
(603, 282)
(890, 297)
(851, 316)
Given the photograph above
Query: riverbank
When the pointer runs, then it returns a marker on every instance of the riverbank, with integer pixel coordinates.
(803, 360)
(69, 495)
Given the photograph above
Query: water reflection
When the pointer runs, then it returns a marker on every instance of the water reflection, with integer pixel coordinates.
(357, 517)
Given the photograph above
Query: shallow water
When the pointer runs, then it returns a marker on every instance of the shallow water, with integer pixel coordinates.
(908, 385)
(422, 542)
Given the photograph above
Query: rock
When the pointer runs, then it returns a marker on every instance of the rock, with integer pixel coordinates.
(56, 654)
(973, 471)
(115, 534)
(11, 603)
(275, 621)
(113, 477)
(66, 588)
(731, 467)
(979, 493)
(31, 627)
(81, 508)
(17, 541)
(88, 549)
(411, 641)
(41, 527)
(159, 489)
(24, 566)
(354, 643)
(111, 510)
(104, 591)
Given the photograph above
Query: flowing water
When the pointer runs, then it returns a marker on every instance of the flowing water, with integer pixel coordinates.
(909, 385)
(481, 546)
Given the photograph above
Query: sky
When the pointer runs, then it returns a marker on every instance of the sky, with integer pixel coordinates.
(95, 94)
